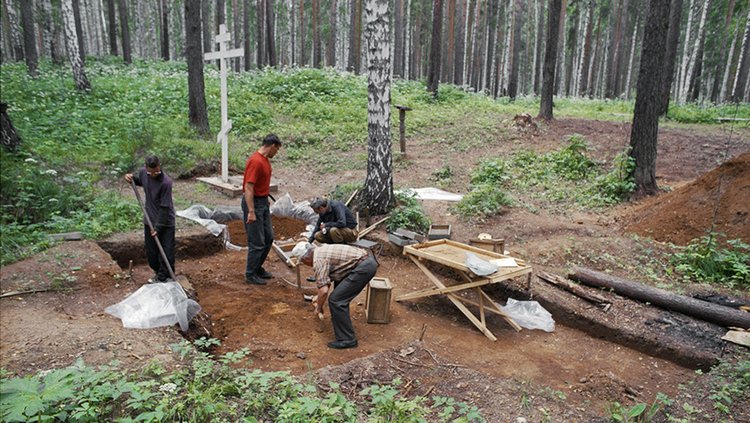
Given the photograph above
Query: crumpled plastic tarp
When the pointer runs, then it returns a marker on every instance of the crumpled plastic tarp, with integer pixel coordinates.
(286, 207)
(529, 315)
(478, 266)
(156, 305)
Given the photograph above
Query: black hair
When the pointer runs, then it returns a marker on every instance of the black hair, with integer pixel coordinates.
(272, 139)
(152, 162)
(318, 203)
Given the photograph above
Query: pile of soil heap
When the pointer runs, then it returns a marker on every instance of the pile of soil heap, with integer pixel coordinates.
(687, 213)
(283, 228)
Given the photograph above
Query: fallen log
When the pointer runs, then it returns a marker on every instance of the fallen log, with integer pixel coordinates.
(709, 312)
(574, 289)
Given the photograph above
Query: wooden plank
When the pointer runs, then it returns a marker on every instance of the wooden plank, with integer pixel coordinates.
(370, 228)
(282, 255)
(434, 291)
(496, 309)
(455, 300)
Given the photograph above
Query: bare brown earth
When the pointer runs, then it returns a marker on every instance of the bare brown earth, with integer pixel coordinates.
(568, 375)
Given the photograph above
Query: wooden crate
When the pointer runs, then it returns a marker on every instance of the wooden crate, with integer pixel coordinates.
(496, 245)
(378, 300)
(439, 232)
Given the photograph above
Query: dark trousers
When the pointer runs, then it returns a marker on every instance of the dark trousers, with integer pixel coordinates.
(259, 235)
(344, 293)
(155, 261)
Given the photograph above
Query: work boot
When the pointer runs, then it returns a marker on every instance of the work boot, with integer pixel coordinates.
(254, 280)
(340, 345)
(263, 273)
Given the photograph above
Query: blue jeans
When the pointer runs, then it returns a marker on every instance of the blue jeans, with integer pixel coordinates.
(259, 235)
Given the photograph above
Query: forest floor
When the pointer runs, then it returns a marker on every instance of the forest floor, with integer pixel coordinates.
(566, 375)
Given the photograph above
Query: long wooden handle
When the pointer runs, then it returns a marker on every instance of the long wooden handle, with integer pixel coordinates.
(151, 227)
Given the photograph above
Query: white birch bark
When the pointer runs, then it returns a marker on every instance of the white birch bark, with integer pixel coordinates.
(742, 59)
(725, 79)
(685, 53)
(631, 62)
(691, 66)
(47, 34)
(378, 190)
(15, 30)
(578, 62)
(71, 41)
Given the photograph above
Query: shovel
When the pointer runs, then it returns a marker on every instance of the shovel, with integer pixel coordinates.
(182, 280)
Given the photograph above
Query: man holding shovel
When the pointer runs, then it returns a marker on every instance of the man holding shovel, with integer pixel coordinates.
(157, 187)
(349, 269)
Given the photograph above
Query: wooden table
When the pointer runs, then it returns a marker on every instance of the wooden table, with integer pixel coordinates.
(453, 254)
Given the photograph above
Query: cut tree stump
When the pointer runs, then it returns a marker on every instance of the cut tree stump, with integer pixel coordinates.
(709, 312)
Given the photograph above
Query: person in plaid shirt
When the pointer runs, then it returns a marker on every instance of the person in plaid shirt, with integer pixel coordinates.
(349, 269)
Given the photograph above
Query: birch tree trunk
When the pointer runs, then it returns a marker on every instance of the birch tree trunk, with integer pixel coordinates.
(29, 38)
(670, 59)
(550, 54)
(685, 54)
(433, 75)
(643, 135)
(15, 30)
(71, 42)
(491, 35)
(722, 62)
(730, 59)
(302, 33)
(539, 43)
(740, 81)
(293, 59)
(628, 79)
(688, 75)
(378, 188)
(197, 110)
(49, 33)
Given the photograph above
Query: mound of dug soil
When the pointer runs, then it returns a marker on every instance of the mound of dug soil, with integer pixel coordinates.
(686, 213)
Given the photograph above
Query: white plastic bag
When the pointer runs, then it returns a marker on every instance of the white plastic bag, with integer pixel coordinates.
(478, 266)
(529, 315)
(155, 305)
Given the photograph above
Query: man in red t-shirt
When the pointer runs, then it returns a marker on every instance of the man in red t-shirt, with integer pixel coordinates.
(256, 185)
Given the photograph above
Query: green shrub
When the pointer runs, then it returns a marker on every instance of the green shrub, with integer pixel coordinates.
(408, 214)
(704, 260)
(483, 201)
(342, 192)
(490, 172)
(571, 162)
(618, 183)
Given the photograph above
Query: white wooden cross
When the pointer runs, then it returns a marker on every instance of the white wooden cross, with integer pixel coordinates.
(222, 38)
